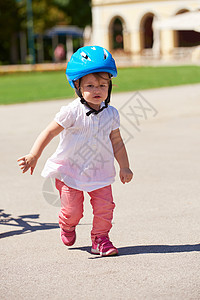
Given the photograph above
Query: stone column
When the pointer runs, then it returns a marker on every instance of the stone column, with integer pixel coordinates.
(167, 43)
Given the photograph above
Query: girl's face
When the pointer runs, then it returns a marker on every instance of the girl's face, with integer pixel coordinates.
(94, 89)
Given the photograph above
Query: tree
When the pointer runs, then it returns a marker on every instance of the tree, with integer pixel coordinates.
(10, 26)
(46, 14)
(79, 11)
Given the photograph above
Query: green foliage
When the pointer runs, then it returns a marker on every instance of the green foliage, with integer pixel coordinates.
(62, 3)
(46, 14)
(10, 25)
(79, 11)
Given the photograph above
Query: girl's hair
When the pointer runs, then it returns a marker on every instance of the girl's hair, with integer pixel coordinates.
(97, 75)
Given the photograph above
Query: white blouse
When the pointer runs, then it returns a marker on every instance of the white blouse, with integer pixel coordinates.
(84, 159)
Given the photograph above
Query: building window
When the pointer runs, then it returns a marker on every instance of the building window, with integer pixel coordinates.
(117, 34)
(186, 38)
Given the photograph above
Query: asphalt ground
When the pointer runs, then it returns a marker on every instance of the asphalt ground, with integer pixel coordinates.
(156, 221)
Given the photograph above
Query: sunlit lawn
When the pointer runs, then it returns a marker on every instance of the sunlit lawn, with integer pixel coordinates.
(37, 86)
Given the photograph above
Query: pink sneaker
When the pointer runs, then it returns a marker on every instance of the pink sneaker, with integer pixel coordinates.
(103, 246)
(68, 237)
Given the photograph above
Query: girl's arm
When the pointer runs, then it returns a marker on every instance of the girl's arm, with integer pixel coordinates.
(30, 160)
(121, 156)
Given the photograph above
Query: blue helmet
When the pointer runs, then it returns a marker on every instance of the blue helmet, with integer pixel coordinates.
(87, 60)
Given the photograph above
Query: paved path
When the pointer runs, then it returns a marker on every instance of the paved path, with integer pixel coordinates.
(156, 224)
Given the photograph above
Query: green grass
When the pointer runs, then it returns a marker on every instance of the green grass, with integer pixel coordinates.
(37, 86)
(130, 79)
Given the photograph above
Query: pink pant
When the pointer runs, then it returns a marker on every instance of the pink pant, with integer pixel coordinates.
(72, 208)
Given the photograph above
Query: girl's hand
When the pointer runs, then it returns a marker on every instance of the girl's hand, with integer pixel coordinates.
(26, 162)
(125, 175)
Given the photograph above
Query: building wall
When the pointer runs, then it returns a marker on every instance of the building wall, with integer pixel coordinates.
(133, 15)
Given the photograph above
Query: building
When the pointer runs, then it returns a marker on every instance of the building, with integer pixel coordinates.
(126, 28)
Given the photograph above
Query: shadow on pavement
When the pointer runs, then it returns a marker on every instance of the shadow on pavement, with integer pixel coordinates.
(23, 224)
(149, 249)
(132, 250)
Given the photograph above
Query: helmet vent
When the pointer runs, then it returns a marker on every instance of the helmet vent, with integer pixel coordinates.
(84, 55)
(105, 54)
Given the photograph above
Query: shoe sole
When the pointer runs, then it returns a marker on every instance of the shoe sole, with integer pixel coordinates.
(70, 243)
(111, 252)
(95, 251)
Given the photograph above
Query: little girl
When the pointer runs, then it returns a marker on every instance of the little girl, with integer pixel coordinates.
(89, 141)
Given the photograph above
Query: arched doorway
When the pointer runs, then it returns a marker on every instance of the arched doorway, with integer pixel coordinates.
(146, 31)
(117, 34)
(186, 38)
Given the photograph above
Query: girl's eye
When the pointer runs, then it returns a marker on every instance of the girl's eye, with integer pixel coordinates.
(89, 85)
(103, 85)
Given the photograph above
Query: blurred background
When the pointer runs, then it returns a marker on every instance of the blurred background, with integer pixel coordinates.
(31, 30)
(136, 32)
(155, 44)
